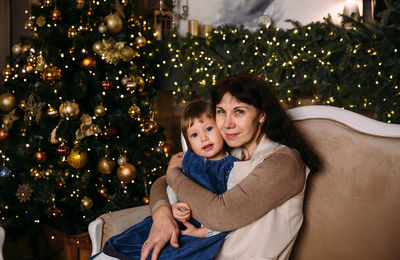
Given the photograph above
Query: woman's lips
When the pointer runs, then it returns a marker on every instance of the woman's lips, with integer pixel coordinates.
(230, 136)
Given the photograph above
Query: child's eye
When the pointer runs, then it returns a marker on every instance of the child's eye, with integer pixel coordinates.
(193, 135)
(209, 128)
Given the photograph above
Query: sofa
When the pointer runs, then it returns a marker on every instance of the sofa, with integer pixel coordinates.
(2, 237)
(352, 205)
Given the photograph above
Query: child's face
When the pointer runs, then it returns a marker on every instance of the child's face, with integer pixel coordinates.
(205, 139)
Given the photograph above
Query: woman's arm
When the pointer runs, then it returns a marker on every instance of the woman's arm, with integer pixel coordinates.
(275, 180)
(158, 194)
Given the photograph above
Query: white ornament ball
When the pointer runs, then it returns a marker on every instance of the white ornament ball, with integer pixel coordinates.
(16, 49)
(122, 160)
(102, 28)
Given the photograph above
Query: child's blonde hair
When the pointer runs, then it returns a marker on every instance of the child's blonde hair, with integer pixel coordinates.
(195, 110)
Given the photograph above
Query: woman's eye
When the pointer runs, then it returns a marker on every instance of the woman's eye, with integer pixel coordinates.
(239, 112)
(193, 135)
(209, 128)
(220, 111)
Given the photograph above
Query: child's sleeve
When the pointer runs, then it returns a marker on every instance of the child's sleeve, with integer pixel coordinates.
(172, 197)
(211, 233)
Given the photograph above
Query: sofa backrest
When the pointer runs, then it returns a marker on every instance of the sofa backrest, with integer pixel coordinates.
(352, 205)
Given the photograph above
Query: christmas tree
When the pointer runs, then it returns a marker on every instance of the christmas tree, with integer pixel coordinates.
(78, 136)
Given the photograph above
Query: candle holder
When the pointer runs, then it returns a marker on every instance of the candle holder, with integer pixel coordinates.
(179, 15)
(193, 27)
(351, 10)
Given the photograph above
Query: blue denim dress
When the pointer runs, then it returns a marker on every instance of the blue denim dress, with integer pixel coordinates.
(212, 175)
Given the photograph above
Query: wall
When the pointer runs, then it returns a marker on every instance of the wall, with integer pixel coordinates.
(12, 21)
(4, 32)
(246, 12)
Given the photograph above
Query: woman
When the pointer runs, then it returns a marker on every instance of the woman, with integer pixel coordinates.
(265, 207)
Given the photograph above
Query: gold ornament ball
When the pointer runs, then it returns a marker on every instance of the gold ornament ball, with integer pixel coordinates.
(7, 102)
(97, 46)
(41, 21)
(134, 112)
(127, 54)
(28, 68)
(126, 173)
(3, 135)
(51, 74)
(100, 111)
(87, 203)
(16, 49)
(77, 159)
(140, 41)
(105, 165)
(69, 110)
(52, 112)
(89, 62)
(113, 23)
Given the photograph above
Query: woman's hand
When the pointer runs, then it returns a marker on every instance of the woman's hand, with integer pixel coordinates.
(176, 161)
(164, 230)
(181, 211)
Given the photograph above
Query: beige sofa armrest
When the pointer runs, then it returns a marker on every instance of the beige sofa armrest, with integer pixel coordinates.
(2, 237)
(113, 223)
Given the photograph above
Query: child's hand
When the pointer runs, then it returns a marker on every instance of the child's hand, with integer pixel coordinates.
(193, 231)
(181, 211)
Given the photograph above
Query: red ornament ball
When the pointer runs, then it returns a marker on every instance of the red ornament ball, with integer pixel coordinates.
(146, 200)
(56, 15)
(40, 156)
(106, 84)
(62, 150)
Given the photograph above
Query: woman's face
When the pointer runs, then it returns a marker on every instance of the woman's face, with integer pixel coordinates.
(239, 123)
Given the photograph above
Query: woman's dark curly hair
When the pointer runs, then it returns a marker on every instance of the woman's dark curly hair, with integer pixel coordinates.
(278, 126)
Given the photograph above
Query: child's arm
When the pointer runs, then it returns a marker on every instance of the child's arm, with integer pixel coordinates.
(193, 231)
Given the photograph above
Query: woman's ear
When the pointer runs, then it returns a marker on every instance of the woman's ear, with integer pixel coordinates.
(262, 118)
